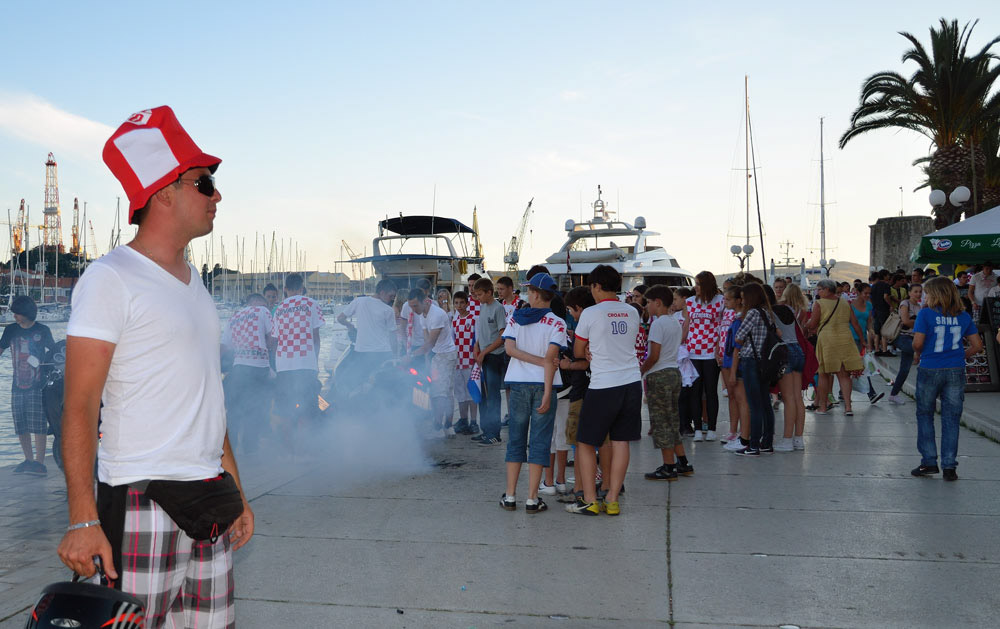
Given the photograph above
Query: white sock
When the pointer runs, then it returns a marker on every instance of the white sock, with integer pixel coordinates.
(529, 501)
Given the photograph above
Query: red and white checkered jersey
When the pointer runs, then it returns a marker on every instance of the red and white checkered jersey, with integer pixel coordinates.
(642, 342)
(703, 332)
(292, 326)
(246, 333)
(728, 316)
(465, 336)
(474, 307)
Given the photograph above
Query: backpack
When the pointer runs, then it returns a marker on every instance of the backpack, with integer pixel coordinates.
(772, 356)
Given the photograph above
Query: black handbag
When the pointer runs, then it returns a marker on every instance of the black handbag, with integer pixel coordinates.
(203, 509)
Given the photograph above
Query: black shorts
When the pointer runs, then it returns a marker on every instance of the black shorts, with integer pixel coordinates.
(615, 412)
(878, 320)
(295, 394)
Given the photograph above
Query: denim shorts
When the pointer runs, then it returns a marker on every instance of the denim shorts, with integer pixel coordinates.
(796, 358)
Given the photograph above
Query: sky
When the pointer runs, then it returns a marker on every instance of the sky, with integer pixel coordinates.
(329, 116)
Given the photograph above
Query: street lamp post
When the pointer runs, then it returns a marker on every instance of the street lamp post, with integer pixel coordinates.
(746, 251)
(958, 197)
(827, 265)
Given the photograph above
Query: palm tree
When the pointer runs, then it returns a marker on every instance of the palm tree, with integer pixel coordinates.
(949, 99)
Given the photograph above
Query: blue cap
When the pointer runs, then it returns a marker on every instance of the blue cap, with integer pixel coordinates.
(543, 281)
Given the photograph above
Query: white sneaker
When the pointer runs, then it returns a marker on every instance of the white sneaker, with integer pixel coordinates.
(729, 437)
(560, 488)
(798, 443)
(785, 445)
(733, 445)
(895, 399)
(546, 490)
(710, 435)
(698, 436)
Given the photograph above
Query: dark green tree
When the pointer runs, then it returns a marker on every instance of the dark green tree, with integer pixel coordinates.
(951, 99)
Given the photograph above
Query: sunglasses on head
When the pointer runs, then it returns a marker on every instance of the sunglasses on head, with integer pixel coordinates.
(205, 184)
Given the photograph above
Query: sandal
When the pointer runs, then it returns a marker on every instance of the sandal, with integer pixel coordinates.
(849, 413)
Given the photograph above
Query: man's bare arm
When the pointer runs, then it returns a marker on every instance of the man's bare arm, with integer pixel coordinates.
(87, 364)
(241, 530)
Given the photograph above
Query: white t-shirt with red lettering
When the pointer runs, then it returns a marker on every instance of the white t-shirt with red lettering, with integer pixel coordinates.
(703, 326)
(292, 326)
(246, 333)
(611, 328)
(534, 338)
(509, 308)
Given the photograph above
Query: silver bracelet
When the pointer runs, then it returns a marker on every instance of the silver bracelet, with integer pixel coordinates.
(83, 525)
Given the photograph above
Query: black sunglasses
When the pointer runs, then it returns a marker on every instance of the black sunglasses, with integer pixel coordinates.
(205, 184)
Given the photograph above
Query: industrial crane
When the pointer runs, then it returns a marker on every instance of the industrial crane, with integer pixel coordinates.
(93, 238)
(513, 255)
(17, 243)
(352, 256)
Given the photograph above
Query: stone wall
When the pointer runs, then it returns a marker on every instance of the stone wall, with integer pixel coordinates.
(893, 239)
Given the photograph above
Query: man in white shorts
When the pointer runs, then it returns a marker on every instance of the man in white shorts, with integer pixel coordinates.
(144, 338)
(440, 345)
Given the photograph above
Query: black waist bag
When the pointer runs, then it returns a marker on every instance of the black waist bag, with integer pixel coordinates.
(203, 509)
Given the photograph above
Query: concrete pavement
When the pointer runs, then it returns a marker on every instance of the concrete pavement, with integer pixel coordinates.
(837, 536)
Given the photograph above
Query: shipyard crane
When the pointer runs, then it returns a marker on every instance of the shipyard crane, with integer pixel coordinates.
(513, 255)
(352, 256)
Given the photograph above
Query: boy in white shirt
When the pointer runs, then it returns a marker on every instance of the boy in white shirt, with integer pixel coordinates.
(663, 385)
(613, 403)
(532, 339)
(439, 342)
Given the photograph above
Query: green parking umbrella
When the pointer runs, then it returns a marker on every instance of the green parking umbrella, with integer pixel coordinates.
(972, 241)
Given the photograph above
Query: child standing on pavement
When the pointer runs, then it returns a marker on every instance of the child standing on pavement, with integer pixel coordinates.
(532, 339)
(577, 300)
(684, 403)
(663, 385)
(464, 325)
(613, 404)
(30, 344)
(940, 358)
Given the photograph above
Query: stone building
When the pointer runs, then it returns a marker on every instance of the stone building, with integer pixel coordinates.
(893, 239)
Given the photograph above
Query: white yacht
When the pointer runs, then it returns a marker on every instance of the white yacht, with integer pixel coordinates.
(606, 240)
(442, 250)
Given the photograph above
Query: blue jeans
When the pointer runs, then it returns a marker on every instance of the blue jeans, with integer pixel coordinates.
(489, 408)
(796, 358)
(759, 401)
(949, 385)
(904, 343)
(525, 419)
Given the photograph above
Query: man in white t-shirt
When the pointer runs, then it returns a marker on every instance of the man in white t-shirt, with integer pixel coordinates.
(414, 332)
(981, 283)
(439, 343)
(613, 403)
(295, 328)
(144, 338)
(247, 338)
(374, 335)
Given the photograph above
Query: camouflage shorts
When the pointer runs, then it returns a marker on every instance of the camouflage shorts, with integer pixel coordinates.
(663, 390)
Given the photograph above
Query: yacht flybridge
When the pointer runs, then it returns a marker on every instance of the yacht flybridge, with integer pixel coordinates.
(606, 240)
(442, 250)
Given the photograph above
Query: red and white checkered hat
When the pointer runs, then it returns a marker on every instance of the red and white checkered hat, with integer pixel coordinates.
(151, 150)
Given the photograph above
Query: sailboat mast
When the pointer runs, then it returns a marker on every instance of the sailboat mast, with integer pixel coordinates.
(746, 135)
(822, 200)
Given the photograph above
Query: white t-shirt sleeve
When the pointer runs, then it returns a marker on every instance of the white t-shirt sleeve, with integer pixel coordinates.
(100, 305)
(317, 316)
(510, 331)
(351, 308)
(557, 335)
(584, 325)
(264, 321)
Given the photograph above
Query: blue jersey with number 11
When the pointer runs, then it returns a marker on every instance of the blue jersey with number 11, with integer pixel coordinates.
(943, 346)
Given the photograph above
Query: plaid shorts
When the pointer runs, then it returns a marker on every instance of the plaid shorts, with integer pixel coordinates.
(182, 583)
(29, 417)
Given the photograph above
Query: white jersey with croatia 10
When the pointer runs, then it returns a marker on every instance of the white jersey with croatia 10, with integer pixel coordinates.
(534, 338)
(611, 328)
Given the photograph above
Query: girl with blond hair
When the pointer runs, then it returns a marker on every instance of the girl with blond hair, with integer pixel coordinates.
(940, 358)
